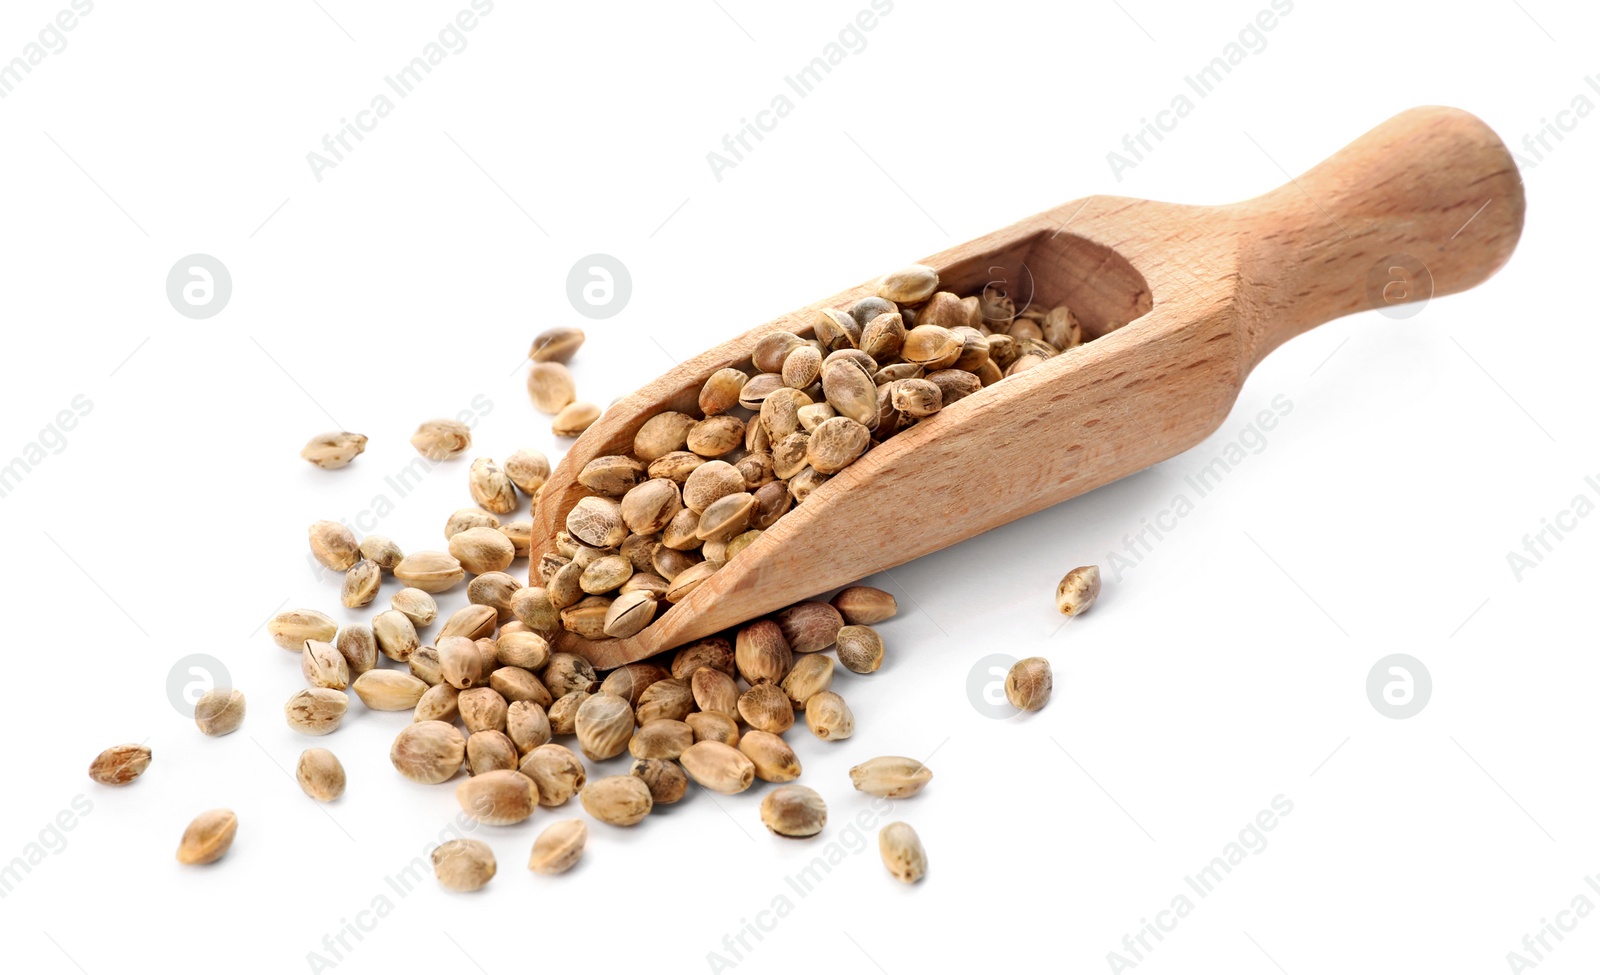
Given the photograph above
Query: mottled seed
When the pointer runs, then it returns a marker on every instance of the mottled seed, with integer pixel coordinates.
(463, 865)
(556, 771)
(774, 760)
(490, 751)
(491, 487)
(620, 800)
(864, 605)
(809, 626)
(661, 435)
(501, 797)
(604, 725)
(766, 707)
(429, 571)
(528, 470)
(119, 764)
(1028, 684)
(465, 518)
(481, 550)
(835, 444)
(333, 545)
(860, 649)
(916, 397)
(331, 451)
(794, 810)
(660, 738)
(718, 767)
(829, 717)
(551, 387)
(428, 752)
(908, 285)
(902, 852)
(648, 507)
(320, 775)
(761, 653)
(220, 711)
(323, 666)
(597, 522)
(811, 675)
(891, 776)
(316, 710)
(663, 777)
(395, 634)
(713, 726)
(389, 690)
(442, 439)
(1078, 590)
(721, 391)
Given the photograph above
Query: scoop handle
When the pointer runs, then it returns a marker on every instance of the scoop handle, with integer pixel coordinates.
(1426, 204)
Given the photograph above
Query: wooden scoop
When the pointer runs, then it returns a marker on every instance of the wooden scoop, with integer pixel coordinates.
(1428, 203)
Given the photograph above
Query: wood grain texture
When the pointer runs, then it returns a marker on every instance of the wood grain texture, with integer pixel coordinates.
(1209, 291)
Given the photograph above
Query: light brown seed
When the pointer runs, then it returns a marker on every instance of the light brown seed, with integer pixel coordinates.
(766, 707)
(772, 502)
(835, 444)
(860, 649)
(954, 384)
(931, 347)
(670, 698)
(587, 617)
(629, 613)
(208, 837)
(772, 348)
(675, 466)
(630, 681)
(428, 752)
(518, 684)
(574, 418)
(551, 387)
(714, 690)
(490, 486)
(528, 725)
(320, 774)
(331, 451)
(482, 709)
(460, 664)
(521, 535)
(361, 582)
(1028, 684)
(220, 711)
(556, 344)
(1078, 590)
(416, 605)
(882, 337)
(660, 738)
(835, 329)
(439, 703)
(333, 545)
(760, 386)
(718, 767)
(442, 439)
(489, 751)
(316, 710)
(494, 590)
(663, 777)
(646, 582)
(648, 507)
(802, 367)
(430, 571)
(559, 847)
(714, 652)
(780, 412)
(902, 852)
(721, 391)
(713, 726)
(803, 483)
(662, 434)
(864, 605)
(358, 647)
(715, 436)
(529, 650)
(620, 800)
(810, 675)
(292, 628)
(389, 690)
(556, 771)
(604, 724)
(502, 797)
(528, 470)
(395, 635)
(426, 666)
(612, 475)
(850, 391)
(324, 666)
(909, 285)
(471, 621)
(774, 760)
(464, 518)
(532, 608)
(597, 522)
(809, 626)
(829, 717)
(916, 397)
(891, 776)
(482, 550)
(568, 672)
(119, 764)
(463, 865)
(794, 810)
(725, 517)
(761, 653)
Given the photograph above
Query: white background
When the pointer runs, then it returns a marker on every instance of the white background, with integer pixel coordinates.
(1227, 668)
